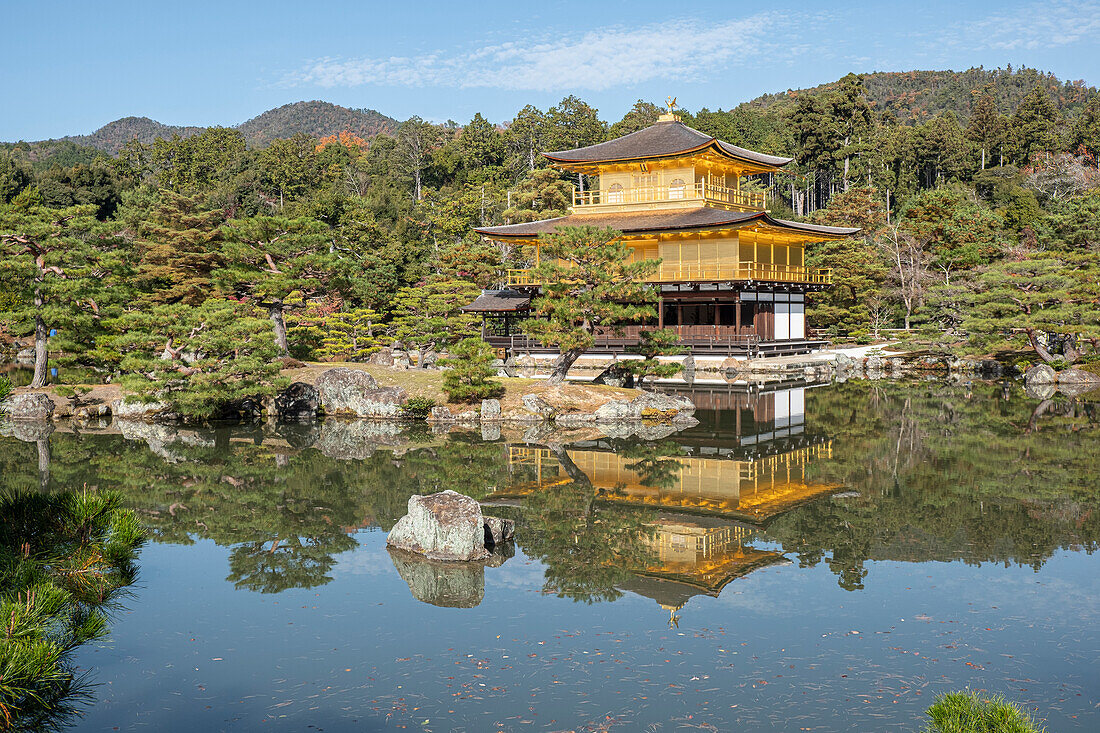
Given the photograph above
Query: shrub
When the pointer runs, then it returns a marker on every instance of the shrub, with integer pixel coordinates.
(5, 388)
(417, 408)
(966, 712)
(470, 372)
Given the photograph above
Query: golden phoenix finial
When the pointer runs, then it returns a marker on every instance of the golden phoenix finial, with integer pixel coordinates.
(671, 102)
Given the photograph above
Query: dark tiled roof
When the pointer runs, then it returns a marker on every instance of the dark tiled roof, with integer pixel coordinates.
(498, 301)
(658, 221)
(660, 140)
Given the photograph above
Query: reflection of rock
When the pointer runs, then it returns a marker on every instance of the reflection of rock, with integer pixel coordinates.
(29, 431)
(446, 584)
(299, 401)
(498, 531)
(29, 406)
(443, 526)
(299, 435)
(355, 393)
(357, 439)
(159, 436)
(1039, 391)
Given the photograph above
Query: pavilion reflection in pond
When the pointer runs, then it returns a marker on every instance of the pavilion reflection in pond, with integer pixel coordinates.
(712, 489)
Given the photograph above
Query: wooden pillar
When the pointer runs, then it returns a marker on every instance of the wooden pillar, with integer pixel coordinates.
(737, 311)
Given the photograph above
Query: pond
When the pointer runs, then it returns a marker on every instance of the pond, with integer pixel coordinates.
(809, 557)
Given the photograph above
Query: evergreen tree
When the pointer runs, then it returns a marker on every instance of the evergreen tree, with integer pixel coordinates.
(177, 249)
(541, 194)
(987, 127)
(429, 315)
(1086, 130)
(61, 266)
(641, 115)
(199, 360)
(1034, 126)
(588, 284)
(524, 138)
(272, 260)
(653, 344)
(470, 372)
(347, 335)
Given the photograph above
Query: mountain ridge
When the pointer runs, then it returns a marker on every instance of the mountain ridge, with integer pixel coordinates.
(315, 118)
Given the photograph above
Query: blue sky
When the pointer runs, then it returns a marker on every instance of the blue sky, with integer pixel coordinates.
(70, 67)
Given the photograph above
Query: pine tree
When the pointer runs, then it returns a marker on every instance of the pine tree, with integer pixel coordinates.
(654, 344)
(64, 270)
(429, 316)
(178, 248)
(470, 372)
(350, 335)
(588, 283)
(1086, 131)
(272, 260)
(987, 127)
(199, 360)
(1034, 126)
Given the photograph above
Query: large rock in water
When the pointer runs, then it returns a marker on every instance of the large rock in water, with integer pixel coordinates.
(443, 526)
(446, 584)
(299, 401)
(1040, 374)
(355, 393)
(28, 406)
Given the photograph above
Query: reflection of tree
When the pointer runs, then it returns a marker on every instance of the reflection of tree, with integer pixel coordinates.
(656, 464)
(946, 473)
(291, 562)
(588, 547)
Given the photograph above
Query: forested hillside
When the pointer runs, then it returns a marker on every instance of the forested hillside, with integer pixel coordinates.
(916, 96)
(316, 119)
(114, 135)
(977, 235)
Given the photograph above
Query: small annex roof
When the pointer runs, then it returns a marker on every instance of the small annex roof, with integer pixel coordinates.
(498, 301)
(664, 139)
(674, 220)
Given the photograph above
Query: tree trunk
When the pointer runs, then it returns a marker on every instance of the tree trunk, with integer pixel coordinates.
(420, 359)
(983, 158)
(276, 313)
(562, 365)
(41, 352)
(1041, 350)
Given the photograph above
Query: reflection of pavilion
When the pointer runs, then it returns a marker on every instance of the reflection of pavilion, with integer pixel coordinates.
(712, 488)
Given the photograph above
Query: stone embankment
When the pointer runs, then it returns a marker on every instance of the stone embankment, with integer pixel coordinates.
(343, 392)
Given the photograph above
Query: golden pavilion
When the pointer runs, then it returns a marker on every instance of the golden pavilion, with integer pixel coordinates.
(733, 279)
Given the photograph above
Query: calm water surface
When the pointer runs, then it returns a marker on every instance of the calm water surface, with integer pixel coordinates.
(806, 558)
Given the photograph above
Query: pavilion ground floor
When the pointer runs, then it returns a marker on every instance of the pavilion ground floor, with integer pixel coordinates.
(715, 320)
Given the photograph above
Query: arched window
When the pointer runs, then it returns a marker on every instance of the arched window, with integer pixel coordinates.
(615, 194)
(676, 188)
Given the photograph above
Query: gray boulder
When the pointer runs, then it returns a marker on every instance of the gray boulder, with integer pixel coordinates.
(616, 375)
(1077, 376)
(444, 526)
(28, 406)
(355, 393)
(382, 357)
(662, 406)
(1040, 374)
(614, 411)
(126, 409)
(538, 406)
(490, 410)
(299, 401)
(441, 414)
(444, 584)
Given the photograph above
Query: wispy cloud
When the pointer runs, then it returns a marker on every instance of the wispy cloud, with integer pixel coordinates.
(1031, 26)
(685, 50)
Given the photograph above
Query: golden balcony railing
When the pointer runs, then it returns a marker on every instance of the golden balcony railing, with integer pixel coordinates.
(674, 272)
(701, 190)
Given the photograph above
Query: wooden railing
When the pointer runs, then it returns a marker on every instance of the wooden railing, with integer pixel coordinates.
(676, 272)
(701, 190)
